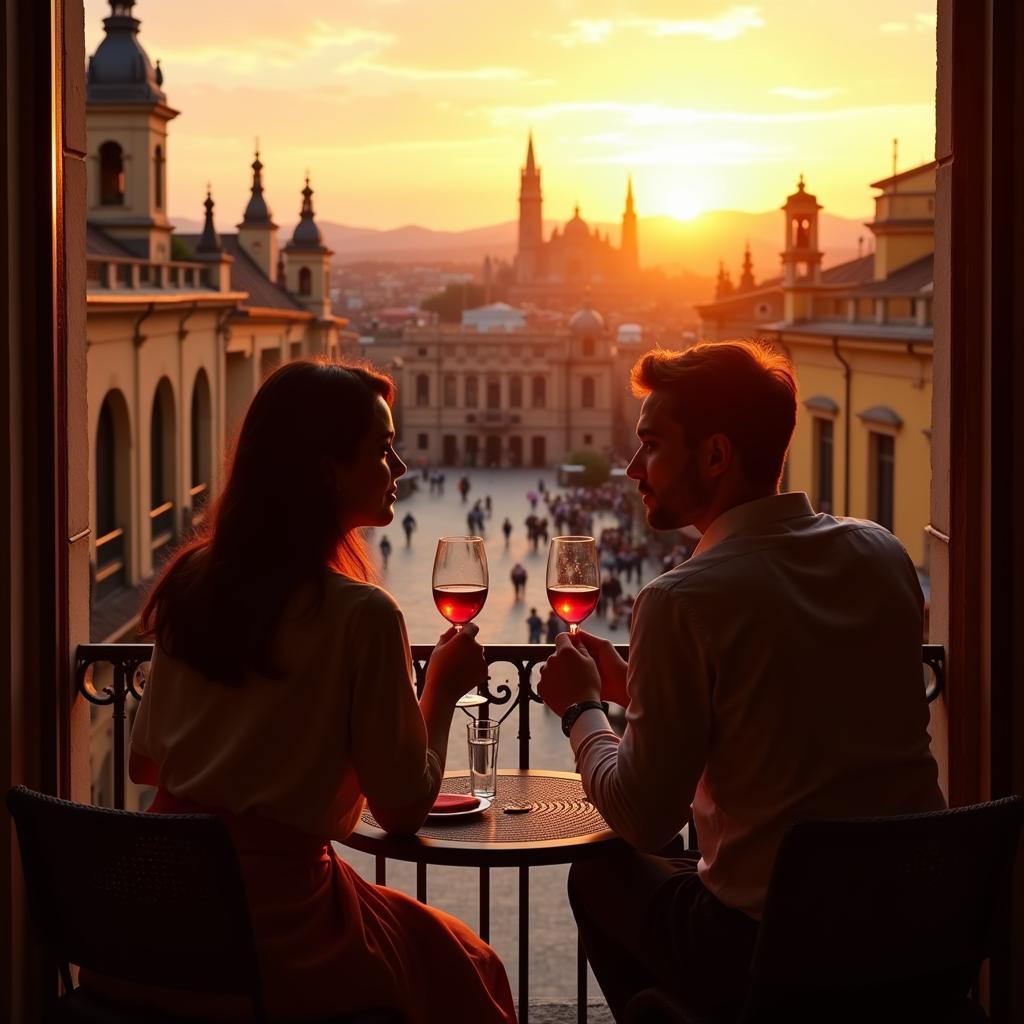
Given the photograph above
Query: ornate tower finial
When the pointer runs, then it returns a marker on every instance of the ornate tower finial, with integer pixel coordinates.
(209, 241)
(257, 211)
(307, 234)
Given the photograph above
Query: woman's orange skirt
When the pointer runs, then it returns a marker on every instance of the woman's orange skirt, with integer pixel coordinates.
(331, 943)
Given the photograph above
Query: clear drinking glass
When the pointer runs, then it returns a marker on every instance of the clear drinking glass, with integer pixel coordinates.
(574, 579)
(460, 587)
(482, 736)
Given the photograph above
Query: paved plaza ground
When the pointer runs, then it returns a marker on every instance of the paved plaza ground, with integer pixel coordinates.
(552, 930)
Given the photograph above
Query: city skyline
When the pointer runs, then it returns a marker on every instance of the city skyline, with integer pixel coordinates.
(402, 120)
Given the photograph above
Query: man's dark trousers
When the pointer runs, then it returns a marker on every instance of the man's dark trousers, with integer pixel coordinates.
(648, 921)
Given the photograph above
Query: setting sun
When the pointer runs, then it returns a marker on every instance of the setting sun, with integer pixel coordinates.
(683, 204)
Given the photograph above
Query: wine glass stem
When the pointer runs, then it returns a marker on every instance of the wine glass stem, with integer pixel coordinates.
(574, 628)
(457, 626)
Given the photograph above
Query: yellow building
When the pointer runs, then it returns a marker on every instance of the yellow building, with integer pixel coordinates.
(507, 397)
(181, 329)
(860, 336)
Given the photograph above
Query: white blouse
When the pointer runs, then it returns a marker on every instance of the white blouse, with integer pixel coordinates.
(341, 725)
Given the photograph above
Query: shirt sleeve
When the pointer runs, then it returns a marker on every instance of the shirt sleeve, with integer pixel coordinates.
(398, 774)
(644, 783)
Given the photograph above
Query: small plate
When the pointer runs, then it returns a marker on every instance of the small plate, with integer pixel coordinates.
(482, 806)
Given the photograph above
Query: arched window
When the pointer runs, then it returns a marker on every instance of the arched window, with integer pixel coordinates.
(111, 174)
(450, 394)
(589, 393)
(515, 392)
(199, 489)
(422, 389)
(158, 177)
(113, 515)
(106, 472)
(162, 445)
(472, 392)
(538, 393)
(493, 393)
(305, 281)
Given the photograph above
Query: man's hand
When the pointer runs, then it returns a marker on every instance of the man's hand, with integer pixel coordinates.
(610, 666)
(569, 676)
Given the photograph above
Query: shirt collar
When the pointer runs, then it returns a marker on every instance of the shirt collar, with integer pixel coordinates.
(753, 514)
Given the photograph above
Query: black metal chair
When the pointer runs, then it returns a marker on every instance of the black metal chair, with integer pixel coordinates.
(145, 899)
(875, 920)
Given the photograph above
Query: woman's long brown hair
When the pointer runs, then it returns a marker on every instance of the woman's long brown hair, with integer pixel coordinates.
(275, 526)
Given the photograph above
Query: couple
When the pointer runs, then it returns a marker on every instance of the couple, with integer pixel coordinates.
(775, 676)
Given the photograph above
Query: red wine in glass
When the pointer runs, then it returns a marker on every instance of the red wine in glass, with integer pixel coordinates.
(459, 603)
(573, 579)
(459, 586)
(573, 603)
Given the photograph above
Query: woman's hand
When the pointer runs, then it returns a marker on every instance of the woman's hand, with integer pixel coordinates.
(457, 664)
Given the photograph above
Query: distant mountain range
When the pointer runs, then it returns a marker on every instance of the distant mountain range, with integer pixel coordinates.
(694, 245)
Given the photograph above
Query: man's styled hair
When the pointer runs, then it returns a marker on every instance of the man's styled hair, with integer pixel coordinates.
(743, 389)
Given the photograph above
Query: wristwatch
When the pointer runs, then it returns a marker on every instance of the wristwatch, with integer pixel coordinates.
(573, 711)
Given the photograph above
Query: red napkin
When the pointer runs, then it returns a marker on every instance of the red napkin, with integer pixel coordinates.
(449, 803)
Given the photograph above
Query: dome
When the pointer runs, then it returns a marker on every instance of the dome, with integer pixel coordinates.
(587, 321)
(119, 70)
(576, 230)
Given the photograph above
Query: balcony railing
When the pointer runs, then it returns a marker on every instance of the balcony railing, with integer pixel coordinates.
(127, 665)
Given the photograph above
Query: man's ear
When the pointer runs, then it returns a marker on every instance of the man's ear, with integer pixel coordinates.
(719, 454)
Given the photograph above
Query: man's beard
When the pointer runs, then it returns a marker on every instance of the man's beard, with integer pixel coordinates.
(698, 496)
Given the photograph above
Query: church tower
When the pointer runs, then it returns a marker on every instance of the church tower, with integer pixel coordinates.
(530, 254)
(308, 261)
(801, 258)
(126, 137)
(630, 252)
(747, 276)
(257, 234)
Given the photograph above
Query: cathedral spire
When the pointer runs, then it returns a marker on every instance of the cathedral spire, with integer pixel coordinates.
(257, 212)
(531, 164)
(209, 241)
(629, 194)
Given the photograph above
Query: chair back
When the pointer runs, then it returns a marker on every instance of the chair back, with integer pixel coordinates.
(156, 899)
(875, 904)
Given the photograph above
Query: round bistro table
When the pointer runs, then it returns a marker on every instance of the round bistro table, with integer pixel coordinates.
(561, 826)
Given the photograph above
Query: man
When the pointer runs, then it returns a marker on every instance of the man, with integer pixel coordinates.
(408, 524)
(773, 677)
(535, 626)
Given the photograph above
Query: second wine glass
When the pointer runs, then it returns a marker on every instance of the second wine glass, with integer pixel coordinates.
(460, 585)
(574, 579)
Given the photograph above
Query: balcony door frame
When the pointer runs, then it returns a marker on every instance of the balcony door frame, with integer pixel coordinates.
(976, 533)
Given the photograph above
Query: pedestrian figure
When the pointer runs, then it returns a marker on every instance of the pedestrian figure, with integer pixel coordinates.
(555, 626)
(535, 624)
(385, 550)
(531, 497)
(506, 528)
(464, 487)
(408, 524)
(518, 578)
(487, 505)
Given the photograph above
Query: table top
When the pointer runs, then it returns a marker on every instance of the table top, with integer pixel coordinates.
(561, 826)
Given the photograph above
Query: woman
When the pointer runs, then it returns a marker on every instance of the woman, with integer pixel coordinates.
(281, 698)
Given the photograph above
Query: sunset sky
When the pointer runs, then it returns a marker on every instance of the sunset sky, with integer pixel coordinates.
(408, 111)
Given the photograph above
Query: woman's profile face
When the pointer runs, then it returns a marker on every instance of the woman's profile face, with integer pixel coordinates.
(367, 483)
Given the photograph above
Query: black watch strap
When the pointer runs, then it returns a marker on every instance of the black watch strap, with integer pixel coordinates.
(573, 711)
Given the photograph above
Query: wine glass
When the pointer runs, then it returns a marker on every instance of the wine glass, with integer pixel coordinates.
(574, 579)
(460, 587)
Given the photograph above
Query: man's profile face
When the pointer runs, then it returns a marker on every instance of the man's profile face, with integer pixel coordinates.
(666, 468)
